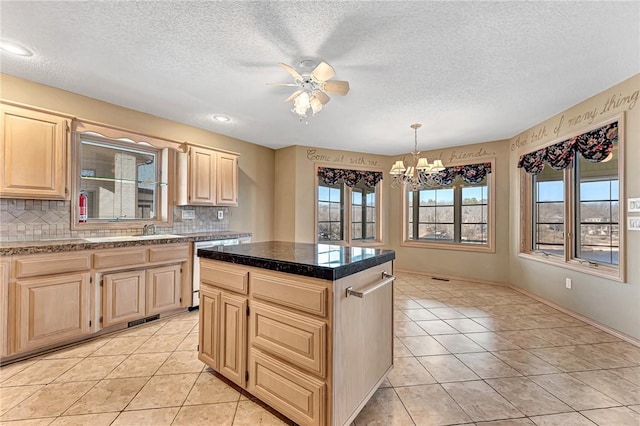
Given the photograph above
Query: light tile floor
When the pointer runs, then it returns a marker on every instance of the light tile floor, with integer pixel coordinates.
(466, 354)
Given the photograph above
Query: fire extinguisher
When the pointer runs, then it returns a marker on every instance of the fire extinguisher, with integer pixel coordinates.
(82, 202)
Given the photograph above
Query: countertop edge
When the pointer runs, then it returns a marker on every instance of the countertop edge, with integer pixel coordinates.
(61, 246)
(307, 270)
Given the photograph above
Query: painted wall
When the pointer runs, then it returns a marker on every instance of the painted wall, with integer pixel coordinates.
(611, 303)
(493, 267)
(295, 189)
(256, 163)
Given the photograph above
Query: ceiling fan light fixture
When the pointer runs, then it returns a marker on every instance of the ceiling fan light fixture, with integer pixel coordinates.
(312, 87)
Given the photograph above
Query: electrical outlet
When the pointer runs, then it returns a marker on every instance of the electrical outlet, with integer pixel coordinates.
(188, 214)
(220, 214)
(567, 283)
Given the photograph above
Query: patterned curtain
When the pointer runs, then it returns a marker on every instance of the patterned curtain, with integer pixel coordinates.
(594, 146)
(470, 173)
(351, 178)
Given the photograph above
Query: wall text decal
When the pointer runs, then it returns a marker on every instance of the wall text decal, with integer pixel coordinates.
(612, 104)
(314, 155)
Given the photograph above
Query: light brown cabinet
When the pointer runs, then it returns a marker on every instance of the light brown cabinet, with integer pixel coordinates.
(4, 307)
(211, 178)
(123, 297)
(202, 176)
(227, 179)
(51, 309)
(308, 350)
(164, 287)
(35, 150)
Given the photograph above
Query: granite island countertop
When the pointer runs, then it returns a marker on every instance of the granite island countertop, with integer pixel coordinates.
(324, 261)
(66, 245)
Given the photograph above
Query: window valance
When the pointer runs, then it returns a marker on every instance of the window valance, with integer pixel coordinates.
(470, 173)
(594, 146)
(331, 176)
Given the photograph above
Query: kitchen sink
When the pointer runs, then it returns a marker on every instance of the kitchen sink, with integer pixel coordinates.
(130, 238)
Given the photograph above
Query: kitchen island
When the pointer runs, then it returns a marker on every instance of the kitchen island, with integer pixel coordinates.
(305, 328)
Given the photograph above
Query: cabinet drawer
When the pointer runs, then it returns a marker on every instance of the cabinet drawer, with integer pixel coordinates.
(304, 294)
(296, 395)
(169, 253)
(35, 265)
(294, 338)
(223, 276)
(117, 258)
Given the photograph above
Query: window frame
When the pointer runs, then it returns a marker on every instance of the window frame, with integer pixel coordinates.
(569, 259)
(347, 209)
(489, 247)
(164, 150)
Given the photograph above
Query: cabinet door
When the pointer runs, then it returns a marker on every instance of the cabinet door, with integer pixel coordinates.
(4, 307)
(51, 310)
(122, 297)
(227, 178)
(233, 338)
(34, 149)
(202, 188)
(209, 327)
(164, 286)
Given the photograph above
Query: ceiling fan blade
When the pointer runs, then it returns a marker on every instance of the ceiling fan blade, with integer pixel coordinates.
(336, 87)
(294, 95)
(316, 104)
(282, 84)
(288, 68)
(322, 97)
(323, 72)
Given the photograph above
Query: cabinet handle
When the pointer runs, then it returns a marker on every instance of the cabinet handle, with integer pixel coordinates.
(386, 279)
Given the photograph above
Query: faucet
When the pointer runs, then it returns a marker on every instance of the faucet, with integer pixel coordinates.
(149, 229)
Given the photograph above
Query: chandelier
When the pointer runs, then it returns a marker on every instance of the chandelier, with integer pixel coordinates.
(419, 173)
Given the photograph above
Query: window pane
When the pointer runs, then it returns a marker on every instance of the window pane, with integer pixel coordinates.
(330, 212)
(371, 214)
(427, 214)
(335, 212)
(336, 232)
(323, 211)
(371, 231)
(474, 214)
(474, 234)
(444, 215)
(598, 212)
(356, 197)
(427, 197)
(444, 232)
(323, 193)
(427, 231)
(444, 196)
(548, 211)
(323, 232)
(356, 231)
(472, 195)
(356, 214)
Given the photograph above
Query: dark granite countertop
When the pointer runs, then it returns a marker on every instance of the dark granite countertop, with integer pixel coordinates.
(329, 262)
(65, 245)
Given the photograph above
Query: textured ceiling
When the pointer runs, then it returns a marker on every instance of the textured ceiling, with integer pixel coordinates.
(469, 71)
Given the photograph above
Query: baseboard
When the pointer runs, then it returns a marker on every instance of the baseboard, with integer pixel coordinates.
(453, 277)
(578, 316)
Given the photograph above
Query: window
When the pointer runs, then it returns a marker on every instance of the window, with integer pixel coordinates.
(455, 213)
(121, 180)
(574, 216)
(348, 206)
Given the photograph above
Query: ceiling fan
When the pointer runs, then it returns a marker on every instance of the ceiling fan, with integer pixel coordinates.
(313, 88)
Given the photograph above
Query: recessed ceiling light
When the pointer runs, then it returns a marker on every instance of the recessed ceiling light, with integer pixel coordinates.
(222, 118)
(13, 48)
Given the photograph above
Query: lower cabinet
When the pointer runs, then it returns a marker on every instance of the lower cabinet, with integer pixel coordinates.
(209, 327)
(163, 289)
(233, 335)
(123, 297)
(51, 309)
(131, 295)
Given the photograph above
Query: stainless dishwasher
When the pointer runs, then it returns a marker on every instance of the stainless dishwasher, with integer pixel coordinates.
(195, 285)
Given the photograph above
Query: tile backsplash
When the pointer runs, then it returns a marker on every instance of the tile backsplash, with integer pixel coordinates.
(36, 220)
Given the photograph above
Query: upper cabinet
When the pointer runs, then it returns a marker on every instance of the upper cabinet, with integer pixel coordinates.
(227, 178)
(35, 149)
(208, 178)
(202, 185)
